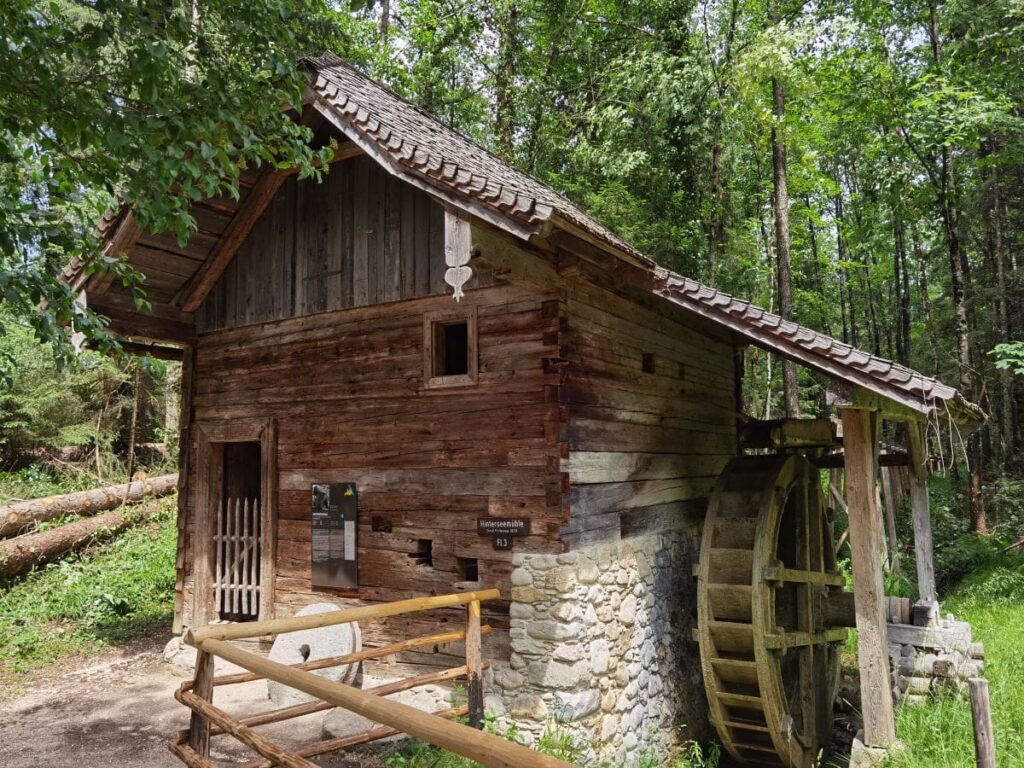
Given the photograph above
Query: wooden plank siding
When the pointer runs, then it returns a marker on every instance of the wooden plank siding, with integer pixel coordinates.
(317, 326)
(358, 238)
(345, 389)
(650, 410)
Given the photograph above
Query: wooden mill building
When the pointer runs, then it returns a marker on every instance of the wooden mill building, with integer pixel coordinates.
(576, 386)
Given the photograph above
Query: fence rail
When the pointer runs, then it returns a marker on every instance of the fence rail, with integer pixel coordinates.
(192, 746)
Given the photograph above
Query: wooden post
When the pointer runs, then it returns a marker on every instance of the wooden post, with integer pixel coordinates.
(889, 505)
(184, 467)
(860, 436)
(981, 713)
(202, 686)
(474, 666)
(922, 514)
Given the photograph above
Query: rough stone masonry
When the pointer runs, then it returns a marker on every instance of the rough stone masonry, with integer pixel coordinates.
(601, 646)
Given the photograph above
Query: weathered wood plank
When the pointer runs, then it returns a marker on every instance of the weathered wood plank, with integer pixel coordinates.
(259, 197)
(860, 436)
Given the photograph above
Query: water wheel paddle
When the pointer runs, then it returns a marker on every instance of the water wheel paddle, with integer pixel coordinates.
(769, 632)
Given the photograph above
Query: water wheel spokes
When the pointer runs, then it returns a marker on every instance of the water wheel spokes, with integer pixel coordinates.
(769, 652)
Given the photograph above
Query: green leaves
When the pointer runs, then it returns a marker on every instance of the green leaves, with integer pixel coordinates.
(143, 100)
(1009, 357)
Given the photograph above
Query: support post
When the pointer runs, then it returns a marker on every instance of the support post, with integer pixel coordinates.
(474, 666)
(860, 437)
(202, 686)
(981, 714)
(921, 513)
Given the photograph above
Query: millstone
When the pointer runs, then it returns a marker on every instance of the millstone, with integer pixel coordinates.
(312, 645)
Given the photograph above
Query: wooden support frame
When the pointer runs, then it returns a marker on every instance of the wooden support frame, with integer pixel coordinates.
(185, 464)
(209, 478)
(192, 744)
(860, 439)
(921, 513)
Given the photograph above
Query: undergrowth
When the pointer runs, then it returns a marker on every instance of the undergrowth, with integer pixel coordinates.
(556, 741)
(940, 735)
(105, 595)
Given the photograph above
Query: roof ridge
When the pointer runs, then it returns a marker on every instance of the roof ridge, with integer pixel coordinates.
(337, 60)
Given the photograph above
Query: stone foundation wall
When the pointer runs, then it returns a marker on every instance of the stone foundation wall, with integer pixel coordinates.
(601, 646)
(928, 659)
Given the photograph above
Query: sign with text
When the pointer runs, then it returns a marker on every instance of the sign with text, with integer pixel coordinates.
(503, 526)
(502, 530)
(335, 514)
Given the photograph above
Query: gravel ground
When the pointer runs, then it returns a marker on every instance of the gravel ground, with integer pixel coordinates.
(118, 711)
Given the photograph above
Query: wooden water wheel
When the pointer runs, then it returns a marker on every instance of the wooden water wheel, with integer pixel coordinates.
(771, 613)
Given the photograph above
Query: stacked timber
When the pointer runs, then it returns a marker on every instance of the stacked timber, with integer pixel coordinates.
(23, 515)
(926, 660)
(23, 553)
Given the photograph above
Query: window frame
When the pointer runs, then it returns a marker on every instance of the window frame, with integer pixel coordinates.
(448, 317)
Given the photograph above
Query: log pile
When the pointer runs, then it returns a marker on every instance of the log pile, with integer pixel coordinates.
(928, 659)
(22, 553)
(20, 517)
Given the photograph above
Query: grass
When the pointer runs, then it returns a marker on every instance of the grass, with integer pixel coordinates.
(34, 482)
(941, 735)
(104, 595)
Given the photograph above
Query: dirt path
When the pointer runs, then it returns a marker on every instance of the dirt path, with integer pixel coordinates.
(119, 711)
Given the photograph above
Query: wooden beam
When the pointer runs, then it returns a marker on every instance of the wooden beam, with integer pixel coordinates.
(860, 436)
(838, 461)
(156, 351)
(489, 749)
(159, 323)
(330, 618)
(921, 513)
(202, 688)
(196, 289)
(474, 666)
(843, 393)
(788, 433)
(125, 236)
(345, 151)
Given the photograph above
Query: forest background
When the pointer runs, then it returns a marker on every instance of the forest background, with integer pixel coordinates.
(856, 166)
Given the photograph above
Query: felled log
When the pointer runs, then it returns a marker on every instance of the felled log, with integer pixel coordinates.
(20, 554)
(21, 516)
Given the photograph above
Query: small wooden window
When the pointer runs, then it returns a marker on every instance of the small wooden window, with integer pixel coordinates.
(647, 362)
(424, 553)
(450, 348)
(468, 568)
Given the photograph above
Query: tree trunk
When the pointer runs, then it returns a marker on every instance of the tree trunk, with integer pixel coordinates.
(994, 245)
(926, 303)
(133, 430)
(504, 107)
(19, 517)
(784, 276)
(385, 20)
(847, 305)
(21, 554)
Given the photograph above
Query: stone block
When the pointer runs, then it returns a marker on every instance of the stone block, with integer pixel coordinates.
(570, 707)
(311, 645)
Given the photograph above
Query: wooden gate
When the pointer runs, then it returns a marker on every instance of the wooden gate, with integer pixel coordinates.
(237, 571)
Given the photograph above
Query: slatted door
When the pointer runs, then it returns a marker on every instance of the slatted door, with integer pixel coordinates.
(238, 546)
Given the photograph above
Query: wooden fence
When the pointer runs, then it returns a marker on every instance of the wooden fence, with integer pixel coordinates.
(192, 745)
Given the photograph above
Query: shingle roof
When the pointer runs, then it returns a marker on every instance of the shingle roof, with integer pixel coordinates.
(816, 350)
(417, 144)
(425, 152)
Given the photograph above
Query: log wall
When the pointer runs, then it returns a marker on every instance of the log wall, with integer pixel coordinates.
(359, 237)
(651, 415)
(346, 391)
